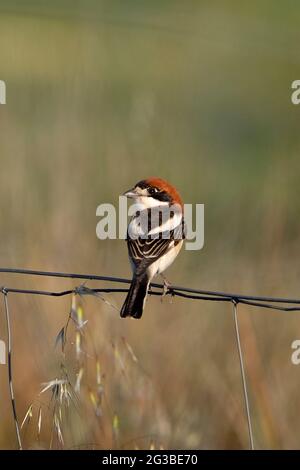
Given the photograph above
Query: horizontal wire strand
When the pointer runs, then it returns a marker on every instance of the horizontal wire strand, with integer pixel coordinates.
(287, 305)
(175, 291)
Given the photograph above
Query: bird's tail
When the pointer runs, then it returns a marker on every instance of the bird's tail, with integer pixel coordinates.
(134, 302)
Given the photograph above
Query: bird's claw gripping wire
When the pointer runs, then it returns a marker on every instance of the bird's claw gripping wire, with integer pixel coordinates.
(167, 288)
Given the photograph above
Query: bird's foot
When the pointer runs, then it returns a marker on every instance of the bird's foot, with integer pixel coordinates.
(167, 288)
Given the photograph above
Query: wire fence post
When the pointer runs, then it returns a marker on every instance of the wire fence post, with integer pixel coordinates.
(9, 366)
(244, 382)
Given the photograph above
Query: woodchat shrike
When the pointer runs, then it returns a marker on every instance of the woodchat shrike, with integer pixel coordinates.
(151, 250)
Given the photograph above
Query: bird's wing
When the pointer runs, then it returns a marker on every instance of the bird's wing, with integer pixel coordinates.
(145, 250)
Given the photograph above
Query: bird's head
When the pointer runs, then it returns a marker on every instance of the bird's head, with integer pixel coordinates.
(153, 192)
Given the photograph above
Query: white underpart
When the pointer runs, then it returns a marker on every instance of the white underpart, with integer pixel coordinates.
(164, 261)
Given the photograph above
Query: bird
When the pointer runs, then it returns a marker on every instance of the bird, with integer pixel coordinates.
(155, 236)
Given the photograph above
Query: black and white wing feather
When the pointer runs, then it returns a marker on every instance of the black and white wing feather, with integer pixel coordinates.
(144, 250)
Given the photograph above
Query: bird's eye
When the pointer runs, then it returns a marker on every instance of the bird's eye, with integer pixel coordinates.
(152, 191)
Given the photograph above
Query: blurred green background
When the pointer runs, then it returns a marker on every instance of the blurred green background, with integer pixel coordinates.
(101, 94)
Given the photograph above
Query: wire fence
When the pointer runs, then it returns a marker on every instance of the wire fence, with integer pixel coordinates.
(276, 303)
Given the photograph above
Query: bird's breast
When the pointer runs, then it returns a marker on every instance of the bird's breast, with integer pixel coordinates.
(162, 263)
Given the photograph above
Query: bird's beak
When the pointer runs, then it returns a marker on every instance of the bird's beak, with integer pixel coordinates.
(132, 193)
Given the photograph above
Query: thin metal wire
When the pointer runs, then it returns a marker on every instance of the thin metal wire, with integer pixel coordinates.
(243, 375)
(9, 368)
(155, 289)
(179, 291)
(173, 292)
